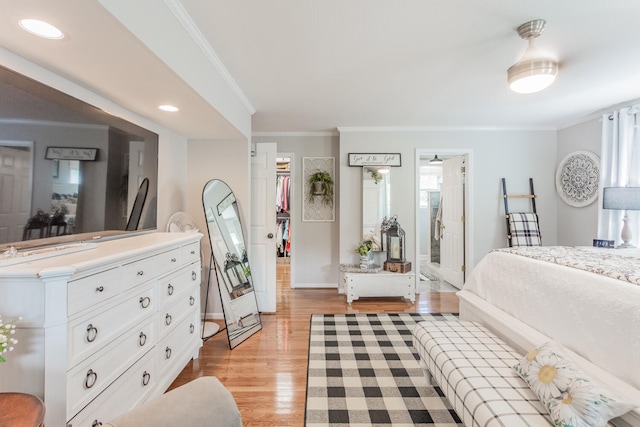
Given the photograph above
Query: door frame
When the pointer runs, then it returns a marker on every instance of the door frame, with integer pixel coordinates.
(468, 202)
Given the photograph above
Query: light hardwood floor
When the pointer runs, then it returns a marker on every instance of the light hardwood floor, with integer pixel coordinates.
(267, 374)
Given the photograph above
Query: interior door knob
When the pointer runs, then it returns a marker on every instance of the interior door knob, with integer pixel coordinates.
(270, 235)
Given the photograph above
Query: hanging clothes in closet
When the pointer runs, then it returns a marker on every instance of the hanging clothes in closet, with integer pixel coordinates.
(283, 224)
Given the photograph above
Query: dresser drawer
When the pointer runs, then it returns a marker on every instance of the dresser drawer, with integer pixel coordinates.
(150, 268)
(92, 331)
(128, 391)
(171, 348)
(91, 290)
(89, 378)
(191, 252)
(175, 285)
(173, 314)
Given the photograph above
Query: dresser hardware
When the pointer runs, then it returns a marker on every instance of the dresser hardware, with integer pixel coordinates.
(142, 340)
(194, 276)
(193, 252)
(145, 302)
(146, 377)
(92, 332)
(192, 300)
(100, 289)
(173, 260)
(140, 273)
(192, 328)
(91, 379)
(167, 353)
(167, 319)
(96, 423)
(170, 289)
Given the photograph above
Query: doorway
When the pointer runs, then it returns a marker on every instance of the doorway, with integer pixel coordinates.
(443, 238)
(284, 215)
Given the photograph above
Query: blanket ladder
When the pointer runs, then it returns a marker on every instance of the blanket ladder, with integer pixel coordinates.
(523, 228)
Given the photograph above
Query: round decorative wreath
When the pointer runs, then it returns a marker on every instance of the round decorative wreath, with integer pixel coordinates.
(577, 178)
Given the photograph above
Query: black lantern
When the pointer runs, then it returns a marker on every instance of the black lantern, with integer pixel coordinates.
(234, 271)
(394, 241)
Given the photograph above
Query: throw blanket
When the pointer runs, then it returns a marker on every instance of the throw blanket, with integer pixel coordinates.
(606, 262)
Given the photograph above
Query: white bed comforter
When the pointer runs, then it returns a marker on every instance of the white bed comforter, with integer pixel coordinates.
(594, 315)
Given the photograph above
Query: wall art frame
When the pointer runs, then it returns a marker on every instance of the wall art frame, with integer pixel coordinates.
(314, 209)
(578, 178)
(375, 159)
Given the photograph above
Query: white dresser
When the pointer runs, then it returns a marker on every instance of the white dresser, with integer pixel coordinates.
(103, 329)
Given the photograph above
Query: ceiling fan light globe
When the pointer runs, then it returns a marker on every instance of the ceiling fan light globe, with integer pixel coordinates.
(532, 75)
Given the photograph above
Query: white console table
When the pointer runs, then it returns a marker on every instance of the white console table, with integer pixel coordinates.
(356, 284)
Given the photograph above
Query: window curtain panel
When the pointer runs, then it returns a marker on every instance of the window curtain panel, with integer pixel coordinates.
(619, 167)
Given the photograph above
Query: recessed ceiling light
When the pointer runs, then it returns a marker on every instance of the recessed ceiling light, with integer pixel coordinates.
(169, 108)
(41, 28)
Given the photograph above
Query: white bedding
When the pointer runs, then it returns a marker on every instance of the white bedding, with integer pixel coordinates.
(596, 316)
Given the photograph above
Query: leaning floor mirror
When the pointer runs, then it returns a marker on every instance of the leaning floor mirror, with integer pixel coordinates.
(230, 263)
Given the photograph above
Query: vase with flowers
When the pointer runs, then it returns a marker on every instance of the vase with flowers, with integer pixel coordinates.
(6, 340)
(365, 250)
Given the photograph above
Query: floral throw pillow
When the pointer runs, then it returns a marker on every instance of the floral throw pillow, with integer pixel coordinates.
(571, 397)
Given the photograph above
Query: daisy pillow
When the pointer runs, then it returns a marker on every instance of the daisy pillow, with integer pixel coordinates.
(571, 397)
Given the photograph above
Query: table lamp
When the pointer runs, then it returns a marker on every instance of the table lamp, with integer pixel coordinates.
(624, 199)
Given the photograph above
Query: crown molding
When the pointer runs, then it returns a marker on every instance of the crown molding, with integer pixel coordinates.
(183, 17)
(343, 129)
(310, 133)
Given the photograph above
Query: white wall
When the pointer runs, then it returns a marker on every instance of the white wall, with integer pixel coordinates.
(578, 226)
(516, 155)
(314, 261)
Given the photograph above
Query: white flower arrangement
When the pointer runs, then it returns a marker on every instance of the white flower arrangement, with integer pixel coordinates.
(6, 341)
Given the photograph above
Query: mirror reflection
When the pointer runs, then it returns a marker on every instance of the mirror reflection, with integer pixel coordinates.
(68, 171)
(231, 262)
(376, 202)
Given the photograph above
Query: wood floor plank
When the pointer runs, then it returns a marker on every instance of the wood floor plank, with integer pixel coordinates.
(267, 374)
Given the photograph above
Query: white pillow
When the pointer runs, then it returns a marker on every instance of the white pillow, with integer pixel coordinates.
(571, 397)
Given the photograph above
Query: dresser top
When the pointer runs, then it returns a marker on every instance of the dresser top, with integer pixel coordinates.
(121, 250)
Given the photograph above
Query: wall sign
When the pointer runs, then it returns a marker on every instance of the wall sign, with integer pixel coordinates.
(374, 159)
(71, 153)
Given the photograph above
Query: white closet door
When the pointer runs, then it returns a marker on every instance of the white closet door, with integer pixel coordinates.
(263, 225)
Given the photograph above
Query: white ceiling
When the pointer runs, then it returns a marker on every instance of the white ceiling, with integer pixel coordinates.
(314, 65)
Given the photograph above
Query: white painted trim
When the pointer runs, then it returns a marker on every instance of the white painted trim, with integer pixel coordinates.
(192, 29)
(445, 128)
(310, 133)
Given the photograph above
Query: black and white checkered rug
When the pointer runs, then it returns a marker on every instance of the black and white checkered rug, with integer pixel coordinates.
(364, 371)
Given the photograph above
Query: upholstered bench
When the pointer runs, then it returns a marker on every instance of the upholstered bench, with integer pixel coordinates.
(472, 366)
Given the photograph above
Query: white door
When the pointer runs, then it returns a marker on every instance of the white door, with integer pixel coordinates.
(15, 189)
(452, 242)
(263, 225)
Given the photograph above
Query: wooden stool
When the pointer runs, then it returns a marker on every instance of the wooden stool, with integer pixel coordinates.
(21, 410)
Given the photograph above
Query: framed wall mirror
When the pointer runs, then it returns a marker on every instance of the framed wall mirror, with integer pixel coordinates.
(230, 262)
(70, 172)
(376, 202)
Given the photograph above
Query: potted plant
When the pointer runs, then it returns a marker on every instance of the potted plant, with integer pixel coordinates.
(321, 184)
(365, 250)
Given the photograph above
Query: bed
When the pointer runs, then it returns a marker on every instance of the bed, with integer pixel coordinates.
(587, 299)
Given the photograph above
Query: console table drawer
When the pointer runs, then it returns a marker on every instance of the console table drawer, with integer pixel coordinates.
(88, 379)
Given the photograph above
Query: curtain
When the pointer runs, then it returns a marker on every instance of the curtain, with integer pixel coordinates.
(619, 167)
